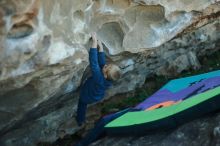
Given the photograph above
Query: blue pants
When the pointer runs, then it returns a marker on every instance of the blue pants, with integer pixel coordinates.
(81, 109)
(98, 130)
(81, 112)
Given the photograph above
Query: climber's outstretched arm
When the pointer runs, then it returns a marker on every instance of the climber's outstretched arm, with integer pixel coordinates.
(101, 55)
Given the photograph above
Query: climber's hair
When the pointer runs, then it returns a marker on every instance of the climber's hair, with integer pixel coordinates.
(114, 72)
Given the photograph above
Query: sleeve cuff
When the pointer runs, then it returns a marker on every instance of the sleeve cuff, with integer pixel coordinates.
(93, 50)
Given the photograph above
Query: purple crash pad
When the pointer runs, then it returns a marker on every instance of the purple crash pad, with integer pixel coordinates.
(164, 95)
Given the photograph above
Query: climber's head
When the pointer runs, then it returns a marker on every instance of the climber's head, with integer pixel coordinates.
(111, 72)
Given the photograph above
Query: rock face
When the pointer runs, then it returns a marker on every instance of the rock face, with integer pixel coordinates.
(43, 54)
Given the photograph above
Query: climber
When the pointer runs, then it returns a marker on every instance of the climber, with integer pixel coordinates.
(103, 74)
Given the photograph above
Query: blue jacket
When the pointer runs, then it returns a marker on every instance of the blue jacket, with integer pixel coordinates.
(94, 87)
